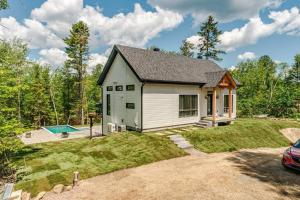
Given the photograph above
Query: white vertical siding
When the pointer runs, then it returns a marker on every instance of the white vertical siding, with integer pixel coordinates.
(121, 74)
(161, 105)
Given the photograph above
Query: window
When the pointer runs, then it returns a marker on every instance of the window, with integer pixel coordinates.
(226, 103)
(130, 87)
(130, 105)
(109, 88)
(119, 88)
(108, 104)
(188, 105)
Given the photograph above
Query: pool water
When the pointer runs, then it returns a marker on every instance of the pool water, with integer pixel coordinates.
(61, 128)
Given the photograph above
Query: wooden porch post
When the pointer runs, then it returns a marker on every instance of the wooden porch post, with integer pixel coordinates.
(230, 103)
(214, 105)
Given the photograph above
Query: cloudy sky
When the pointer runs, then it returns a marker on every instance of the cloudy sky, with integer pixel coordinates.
(250, 28)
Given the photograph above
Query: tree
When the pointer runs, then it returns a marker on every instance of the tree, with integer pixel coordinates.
(93, 91)
(187, 48)
(37, 100)
(3, 4)
(294, 74)
(209, 38)
(77, 51)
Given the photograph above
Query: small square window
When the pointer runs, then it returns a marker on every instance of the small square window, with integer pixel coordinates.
(109, 88)
(130, 105)
(119, 88)
(130, 87)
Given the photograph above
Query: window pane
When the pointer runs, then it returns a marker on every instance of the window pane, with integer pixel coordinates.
(130, 87)
(188, 105)
(130, 105)
(109, 88)
(119, 88)
(108, 104)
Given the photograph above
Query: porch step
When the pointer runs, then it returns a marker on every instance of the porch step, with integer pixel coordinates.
(204, 124)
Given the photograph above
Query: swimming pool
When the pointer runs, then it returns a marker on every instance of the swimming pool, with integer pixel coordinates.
(61, 128)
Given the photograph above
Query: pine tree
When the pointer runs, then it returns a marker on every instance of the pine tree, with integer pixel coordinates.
(77, 51)
(294, 74)
(209, 38)
(3, 4)
(186, 49)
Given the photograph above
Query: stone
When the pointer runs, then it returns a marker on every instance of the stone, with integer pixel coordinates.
(58, 188)
(68, 188)
(40, 195)
(25, 196)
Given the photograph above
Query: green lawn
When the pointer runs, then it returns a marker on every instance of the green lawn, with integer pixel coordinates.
(244, 133)
(48, 164)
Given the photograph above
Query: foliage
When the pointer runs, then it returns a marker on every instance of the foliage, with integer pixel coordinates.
(244, 133)
(187, 48)
(209, 38)
(266, 88)
(77, 51)
(162, 50)
(53, 163)
(3, 4)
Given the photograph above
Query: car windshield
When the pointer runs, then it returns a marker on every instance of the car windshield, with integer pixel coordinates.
(297, 144)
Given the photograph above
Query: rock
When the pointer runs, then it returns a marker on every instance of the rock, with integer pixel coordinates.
(40, 195)
(68, 188)
(25, 196)
(58, 188)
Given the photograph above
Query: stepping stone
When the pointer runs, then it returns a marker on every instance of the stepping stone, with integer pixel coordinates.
(179, 139)
(177, 131)
(175, 136)
(185, 145)
(160, 134)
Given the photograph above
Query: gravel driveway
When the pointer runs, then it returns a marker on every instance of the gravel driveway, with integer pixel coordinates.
(246, 174)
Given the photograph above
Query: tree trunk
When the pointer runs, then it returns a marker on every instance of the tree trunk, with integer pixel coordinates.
(54, 106)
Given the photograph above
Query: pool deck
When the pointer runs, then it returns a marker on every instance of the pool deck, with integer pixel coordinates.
(42, 135)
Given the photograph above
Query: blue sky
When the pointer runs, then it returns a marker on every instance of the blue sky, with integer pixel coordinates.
(251, 28)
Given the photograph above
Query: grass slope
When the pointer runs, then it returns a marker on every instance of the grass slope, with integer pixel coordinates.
(244, 133)
(48, 164)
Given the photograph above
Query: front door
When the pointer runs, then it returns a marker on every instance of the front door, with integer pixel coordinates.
(209, 104)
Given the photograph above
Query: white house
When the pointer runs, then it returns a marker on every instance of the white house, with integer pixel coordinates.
(148, 89)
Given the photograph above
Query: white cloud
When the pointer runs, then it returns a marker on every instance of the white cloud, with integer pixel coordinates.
(134, 29)
(32, 32)
(94, 60)
(53, 19)
(283, 22)
(54, 57)
(58, 15)
(247, 56)
(223, 10)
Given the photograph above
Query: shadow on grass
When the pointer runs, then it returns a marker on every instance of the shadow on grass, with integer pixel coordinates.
(27, 150)
(267, 168)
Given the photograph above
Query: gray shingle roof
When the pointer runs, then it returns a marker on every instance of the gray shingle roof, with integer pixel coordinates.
(156, 66)
(213, 78)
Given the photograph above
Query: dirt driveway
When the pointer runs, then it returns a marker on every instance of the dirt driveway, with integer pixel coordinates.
(247, 174)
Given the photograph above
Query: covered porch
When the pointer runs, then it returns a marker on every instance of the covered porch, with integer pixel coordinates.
(219, 94)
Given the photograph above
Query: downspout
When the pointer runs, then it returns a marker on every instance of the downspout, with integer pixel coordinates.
(142, 107)
(102, 109)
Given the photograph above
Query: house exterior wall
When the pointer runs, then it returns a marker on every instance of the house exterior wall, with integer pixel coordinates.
(161, 105)
(121, 74)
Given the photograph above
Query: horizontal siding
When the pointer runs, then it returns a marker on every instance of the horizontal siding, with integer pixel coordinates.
(161, 105)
